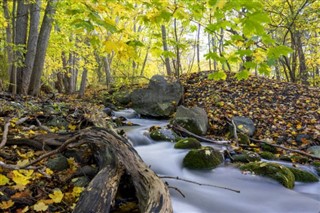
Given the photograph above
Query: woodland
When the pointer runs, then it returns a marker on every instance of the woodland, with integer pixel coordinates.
(63, 61)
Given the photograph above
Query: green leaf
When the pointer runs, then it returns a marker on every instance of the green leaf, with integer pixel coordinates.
(276, 52)
(243, 75)
(135, 43)
(219, 75)
(78, 23)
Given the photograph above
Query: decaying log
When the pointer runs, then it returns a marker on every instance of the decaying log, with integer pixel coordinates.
(152, 193)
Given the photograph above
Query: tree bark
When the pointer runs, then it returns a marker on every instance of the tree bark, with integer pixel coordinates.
(35, 82)
(32, 45)
(302, 61)
(152, 193)
(20, 40)
(165, 48)
(83, 82)
(198, 47)
(107, 70)
(8, 36)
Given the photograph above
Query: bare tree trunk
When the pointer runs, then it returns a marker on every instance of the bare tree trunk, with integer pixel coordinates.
(144, 61)
(35, 82)
(83, 82)
(13, 73)
(165, 48)
(32, 45)
(178, 62)
(20, 40)
(302, 61)
(8, 37)
(107, 70)
(198, 47)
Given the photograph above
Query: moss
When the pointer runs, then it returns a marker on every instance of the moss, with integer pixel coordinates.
(204, 158)
(244, 139)
(303, 176)
(299, 159)
(158, 136)
(272, 170)
(187, 143)
(268, 148)
(285, 158)
(246, 157)
(267, 155)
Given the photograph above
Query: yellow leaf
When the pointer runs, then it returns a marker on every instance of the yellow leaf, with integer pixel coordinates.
(21, 179)
(240, 126)
(40, 206)
(77, 191)
(22, 162)
(3, 180)
(6, 204)
(49, 171)
(72, 127)
(56, 196)
(25, 209)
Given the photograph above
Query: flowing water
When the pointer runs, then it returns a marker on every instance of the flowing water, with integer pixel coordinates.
(257, 194)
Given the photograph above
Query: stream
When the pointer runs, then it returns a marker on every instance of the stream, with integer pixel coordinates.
(257, 194)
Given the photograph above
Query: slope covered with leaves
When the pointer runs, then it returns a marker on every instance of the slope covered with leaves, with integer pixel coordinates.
(282, 112)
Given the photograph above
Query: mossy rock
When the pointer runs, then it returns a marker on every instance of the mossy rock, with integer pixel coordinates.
(268, 148)
(303, 176)
(244, 139)
(203, 158)
(188, 143)
(246, 157)
(285, 158)
(299, 159)
(163, 135)
(316, 165)
(272, 170)
(267, 155)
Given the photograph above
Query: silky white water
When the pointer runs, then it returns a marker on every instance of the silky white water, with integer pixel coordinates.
(257, 194)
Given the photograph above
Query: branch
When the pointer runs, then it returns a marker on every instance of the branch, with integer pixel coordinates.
(183, 130)
(5, 133)
(200, 184)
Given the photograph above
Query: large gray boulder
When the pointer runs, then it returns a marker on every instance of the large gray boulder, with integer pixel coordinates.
(245, 124)
(194, 119)
(159, 99)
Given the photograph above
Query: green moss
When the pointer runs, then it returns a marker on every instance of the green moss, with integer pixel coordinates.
(272, 170)
(285, 158)
(303, 176)
(246, 157)
(267, 155)
(204, 158)
(299, 159)
(187, 143)
(158, 136)
(268, 148)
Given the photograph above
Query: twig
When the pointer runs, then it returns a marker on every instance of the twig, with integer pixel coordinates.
(22, 120)
(200, 184)
(59, 149)
(183, 130)
(178, 190)
(42, 126)
(15, 167)
(5, 133)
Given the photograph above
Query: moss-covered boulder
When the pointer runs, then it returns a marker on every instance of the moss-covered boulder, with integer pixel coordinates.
(267, 155)
(187, 143)
(163, 135)
(268, 148)
(203, 158)
(303, 176)
(244, 139)
(246, 157)
(275, 171)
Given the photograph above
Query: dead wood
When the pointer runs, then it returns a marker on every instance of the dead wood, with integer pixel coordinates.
(5, 133)
(180, 129)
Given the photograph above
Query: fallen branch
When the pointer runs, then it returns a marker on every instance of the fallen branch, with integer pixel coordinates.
(42, 126)
(5, 133)
(200, 184)
(183, 130)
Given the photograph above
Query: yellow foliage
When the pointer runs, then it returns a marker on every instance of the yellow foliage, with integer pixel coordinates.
(6, 204)
(22, 162)
(40, 206)
(56, 196)
(21, 177)
(3, 180)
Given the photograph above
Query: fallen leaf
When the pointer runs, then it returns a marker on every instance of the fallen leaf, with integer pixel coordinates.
(40, 206)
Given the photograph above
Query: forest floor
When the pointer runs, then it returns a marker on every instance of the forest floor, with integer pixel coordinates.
(280, 111)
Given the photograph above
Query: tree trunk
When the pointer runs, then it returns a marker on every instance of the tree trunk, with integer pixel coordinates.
(178, 62)
(198, 47)
(302, 61)
(13, 73)
(144, 61)
(35, 82)
(32, 45)
(165, 49)
(107, 70)
(20, 40)
(8, 37)
(83, 82)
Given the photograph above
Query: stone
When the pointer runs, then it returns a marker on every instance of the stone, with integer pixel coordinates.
(302, 137)
(314, 150)
(163, 134)
(246, 157)
(244, 124)
(275, 171)
(303, 176)
(82, 181)
(58, 163)
(187, 143)
(193, 119)
(159, 99)
(267, 155)
(203, 158)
